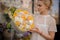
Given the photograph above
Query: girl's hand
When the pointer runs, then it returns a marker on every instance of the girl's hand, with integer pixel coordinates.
(34, 30)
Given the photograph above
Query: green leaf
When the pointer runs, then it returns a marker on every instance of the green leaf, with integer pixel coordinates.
(8, 25)
(12, 10)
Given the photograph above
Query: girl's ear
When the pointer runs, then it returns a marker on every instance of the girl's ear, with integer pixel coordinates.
(47, 7)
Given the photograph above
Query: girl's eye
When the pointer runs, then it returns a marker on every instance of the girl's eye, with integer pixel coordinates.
(39, 5)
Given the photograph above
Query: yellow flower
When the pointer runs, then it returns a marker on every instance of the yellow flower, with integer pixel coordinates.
(30, 17)
(17, 23)
(24, 24)
(23, 17)
(32, 26)
(18, 10)
(15, 14)
(25, 12)
(23, 28)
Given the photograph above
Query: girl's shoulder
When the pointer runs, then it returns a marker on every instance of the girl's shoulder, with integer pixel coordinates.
(51, 18)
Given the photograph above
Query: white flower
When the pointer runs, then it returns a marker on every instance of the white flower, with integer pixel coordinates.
(30, 22)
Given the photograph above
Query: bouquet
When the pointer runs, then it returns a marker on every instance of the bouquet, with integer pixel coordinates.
(23, 20)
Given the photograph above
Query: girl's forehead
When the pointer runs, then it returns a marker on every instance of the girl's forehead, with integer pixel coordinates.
(39, 2)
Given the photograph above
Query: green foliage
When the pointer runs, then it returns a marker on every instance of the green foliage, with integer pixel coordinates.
(7, 17)
(12, 10)
(8, 25)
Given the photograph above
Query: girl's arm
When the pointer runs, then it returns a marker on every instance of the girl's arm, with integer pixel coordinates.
(49, 36)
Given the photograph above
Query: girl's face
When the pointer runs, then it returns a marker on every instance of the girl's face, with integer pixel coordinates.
(41, 6)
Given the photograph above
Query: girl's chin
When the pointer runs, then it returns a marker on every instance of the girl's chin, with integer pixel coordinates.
(40, 11)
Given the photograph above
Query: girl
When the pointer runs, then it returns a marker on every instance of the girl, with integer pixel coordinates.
(45, 25)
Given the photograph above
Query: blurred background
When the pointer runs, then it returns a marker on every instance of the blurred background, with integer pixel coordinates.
(6, 30)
